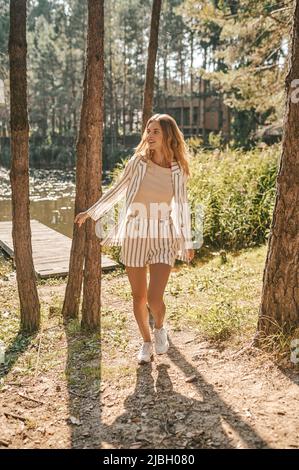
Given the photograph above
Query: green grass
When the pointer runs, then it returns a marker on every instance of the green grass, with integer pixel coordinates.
(217, 296)
(219, 299)
(114, 329)
(6, 265)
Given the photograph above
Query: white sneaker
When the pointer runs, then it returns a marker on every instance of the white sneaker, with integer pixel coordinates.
(146, 353)
(161, 340)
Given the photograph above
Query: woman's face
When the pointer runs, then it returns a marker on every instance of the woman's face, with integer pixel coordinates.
(154, 136)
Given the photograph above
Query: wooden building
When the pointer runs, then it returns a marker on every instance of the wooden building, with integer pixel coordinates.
(199, 116)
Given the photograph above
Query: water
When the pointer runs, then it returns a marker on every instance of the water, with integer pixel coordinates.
(52, 197)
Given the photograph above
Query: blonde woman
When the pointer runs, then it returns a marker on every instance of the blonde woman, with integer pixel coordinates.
(155, 228)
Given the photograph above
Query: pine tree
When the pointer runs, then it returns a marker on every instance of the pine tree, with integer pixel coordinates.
(279, 309)
(19, 173)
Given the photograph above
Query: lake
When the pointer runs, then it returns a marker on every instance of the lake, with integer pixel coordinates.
(52, 197)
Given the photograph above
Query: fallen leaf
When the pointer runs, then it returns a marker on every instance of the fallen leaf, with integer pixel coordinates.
(75, 420)
(192, 378)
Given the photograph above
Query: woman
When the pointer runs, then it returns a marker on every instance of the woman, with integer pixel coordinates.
(156, 227)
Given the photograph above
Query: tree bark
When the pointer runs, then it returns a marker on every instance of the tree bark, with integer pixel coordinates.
(165, 70)
(71, 303)
(181, 65)
(19, 173)
(203, 92)
(151, 61)
(112, 106)
(191, 80)
(279, 308)
(95, 87)
(124, 88)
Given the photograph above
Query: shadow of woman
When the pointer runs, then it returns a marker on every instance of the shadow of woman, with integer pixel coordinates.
(157, 416)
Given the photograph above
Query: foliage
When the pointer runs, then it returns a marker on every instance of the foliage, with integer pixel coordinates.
(247, 43)
(237, 190)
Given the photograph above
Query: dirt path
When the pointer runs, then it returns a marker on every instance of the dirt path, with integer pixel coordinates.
(196, 396)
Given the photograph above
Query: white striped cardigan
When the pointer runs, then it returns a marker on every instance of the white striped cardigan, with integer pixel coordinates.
(128, 185)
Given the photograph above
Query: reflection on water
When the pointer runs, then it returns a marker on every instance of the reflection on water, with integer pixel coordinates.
(52, 196)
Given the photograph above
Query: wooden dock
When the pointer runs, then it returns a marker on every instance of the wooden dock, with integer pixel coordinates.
(50, 249)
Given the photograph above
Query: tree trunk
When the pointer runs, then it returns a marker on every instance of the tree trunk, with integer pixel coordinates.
(158, 84)
(19, 173)
(53, 113)
(203, 92)
(180, 57)
(279, 309)
(74, 88)
(191, 80)
(95, 87)
(165, 69)
(111, 125)
(124, 89)
(113, 142)
(151, 60)
(71, 303)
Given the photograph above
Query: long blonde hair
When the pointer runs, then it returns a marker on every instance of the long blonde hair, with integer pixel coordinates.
(174, 146)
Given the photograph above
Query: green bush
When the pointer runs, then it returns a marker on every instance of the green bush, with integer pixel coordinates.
(237, 191)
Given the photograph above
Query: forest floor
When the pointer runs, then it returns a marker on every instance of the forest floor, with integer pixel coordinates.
(66, 389)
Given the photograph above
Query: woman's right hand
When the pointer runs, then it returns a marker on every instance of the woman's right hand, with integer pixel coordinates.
(81, 218)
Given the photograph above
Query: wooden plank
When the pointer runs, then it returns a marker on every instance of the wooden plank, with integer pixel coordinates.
(50, 249)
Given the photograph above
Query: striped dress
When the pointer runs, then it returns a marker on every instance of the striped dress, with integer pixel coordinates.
(149, 232)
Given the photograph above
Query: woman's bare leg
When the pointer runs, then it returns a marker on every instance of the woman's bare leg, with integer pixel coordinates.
(159, 274)
(137, 278)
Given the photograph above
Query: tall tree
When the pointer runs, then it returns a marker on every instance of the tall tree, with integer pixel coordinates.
(71, 302)
(94, 132)
(19, 173)
(88, 174)
(245, 39)
(151, 62)
(280, 296)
